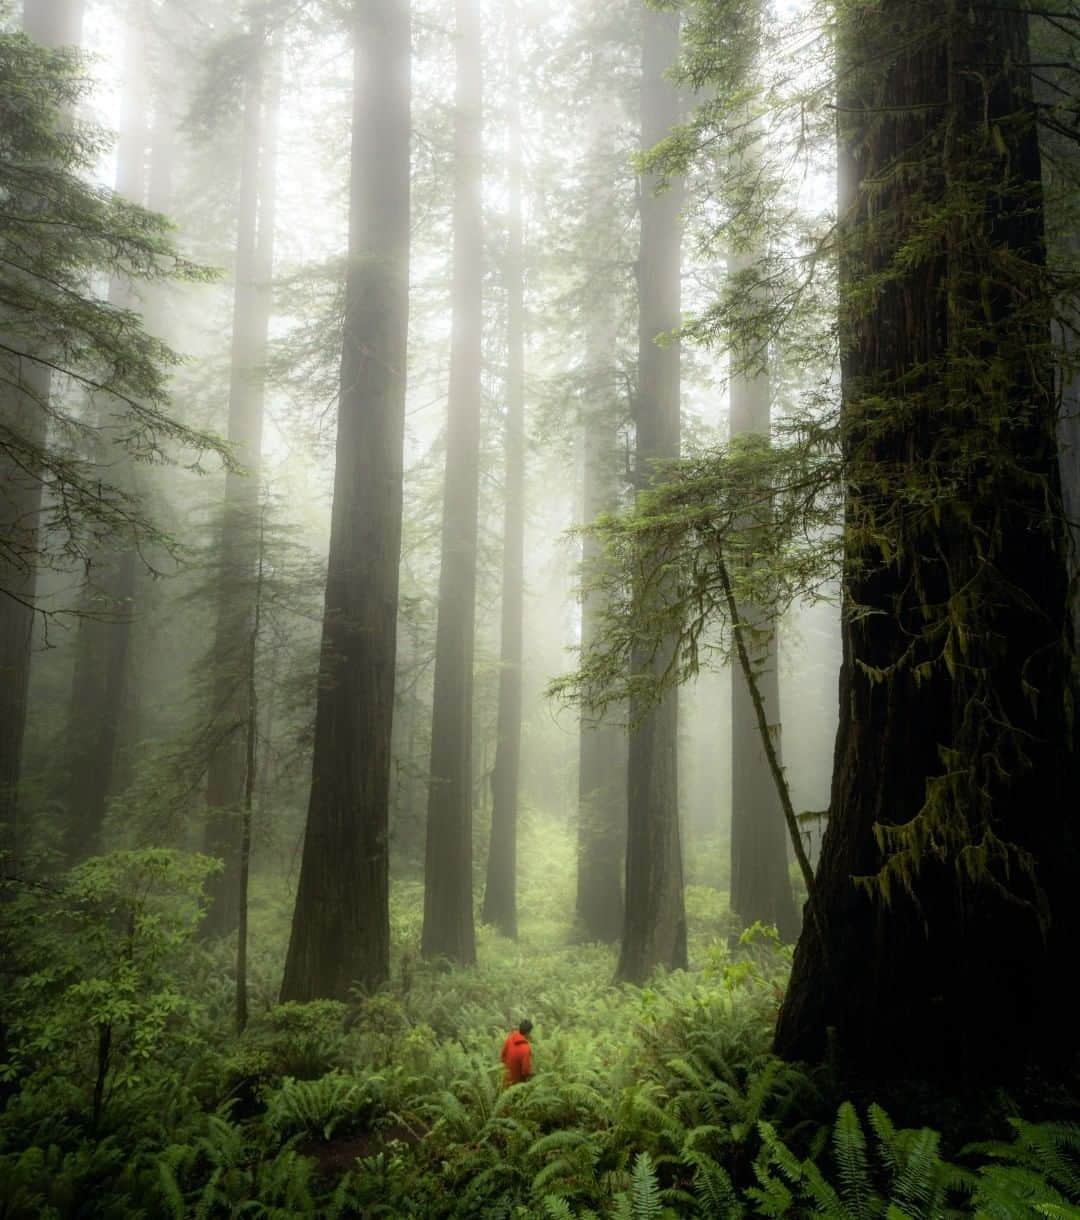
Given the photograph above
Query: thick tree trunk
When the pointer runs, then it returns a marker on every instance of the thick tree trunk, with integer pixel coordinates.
(500, 892)
(654, 928)
(341, 925)
(23, 402)
(448, 902)
(602, 759)
(956, 760)
(251, 320)
(760, 882)
(98, 704)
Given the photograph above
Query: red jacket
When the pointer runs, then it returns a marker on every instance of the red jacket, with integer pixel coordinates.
(517, 1058)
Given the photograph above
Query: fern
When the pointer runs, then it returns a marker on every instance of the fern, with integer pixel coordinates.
(849, 1148)
(1050, 1151)
(318, 1107)
(645, 1190)
(714, 1193)
(916, 1179)
(557, 1208)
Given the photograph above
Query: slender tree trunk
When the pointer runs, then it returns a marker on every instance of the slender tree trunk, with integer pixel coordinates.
(654, 929)
(251, 734)
(99, 684)
(448, 902)
(23, 402)
(955, 739)
(251, 318)
(500, 892)
(341, 925)
(148, 635)
(602, 755)
(760, 882)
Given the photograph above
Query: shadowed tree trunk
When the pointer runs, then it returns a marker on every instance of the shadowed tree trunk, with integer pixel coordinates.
(500, 892)
(99, 684)
(602, 748)
(341, 924)
(654, 928)
(225, 783)
(448, 903)
(760, 882)
(956, 760)
(24, 392)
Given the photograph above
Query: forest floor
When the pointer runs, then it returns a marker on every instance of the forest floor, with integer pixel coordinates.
(662, 1101)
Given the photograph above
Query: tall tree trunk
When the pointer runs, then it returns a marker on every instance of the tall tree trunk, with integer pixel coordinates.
(654, 928)
(500, 892)
(956, 759)
(251, 735)
(99, 684)
(602, 759)
(448, 902)
(760, 882)
(23, 401)
(341, 924)
(251, 318)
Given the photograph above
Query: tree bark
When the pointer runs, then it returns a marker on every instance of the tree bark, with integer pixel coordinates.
(654, 928)
(448, 903)
(954, 738)
(341, 924)
(251, 319)
(500, 892)
(760, 882)
(602, 758)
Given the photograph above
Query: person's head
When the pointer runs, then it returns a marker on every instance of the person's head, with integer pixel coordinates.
(525, 1027)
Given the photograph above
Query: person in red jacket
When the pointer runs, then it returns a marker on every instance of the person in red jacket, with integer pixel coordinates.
(517, 1054)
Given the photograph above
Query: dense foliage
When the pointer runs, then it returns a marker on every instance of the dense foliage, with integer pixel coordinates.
(646, 1103)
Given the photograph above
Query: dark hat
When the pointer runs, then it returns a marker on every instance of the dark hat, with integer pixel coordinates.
(525, 1026)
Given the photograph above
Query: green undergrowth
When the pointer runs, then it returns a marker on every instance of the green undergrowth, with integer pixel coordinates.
(647, 1103)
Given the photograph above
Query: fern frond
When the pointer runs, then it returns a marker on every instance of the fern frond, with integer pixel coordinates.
(644, 1189)
(557, 1208)
(849, 1149)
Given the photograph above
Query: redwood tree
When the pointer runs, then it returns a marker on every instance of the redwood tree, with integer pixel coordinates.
(448, 900)
(602, 757)
(341, 924)
(948, 870)
(225, 780)
(500, 891)
(654, 928)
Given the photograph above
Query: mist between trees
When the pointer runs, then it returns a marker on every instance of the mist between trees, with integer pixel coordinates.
(491, 482)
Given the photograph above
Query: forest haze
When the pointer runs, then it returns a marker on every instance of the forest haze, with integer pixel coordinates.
(541, 524)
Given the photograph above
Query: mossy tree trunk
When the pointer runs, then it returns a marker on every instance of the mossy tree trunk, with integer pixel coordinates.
(956, 764)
